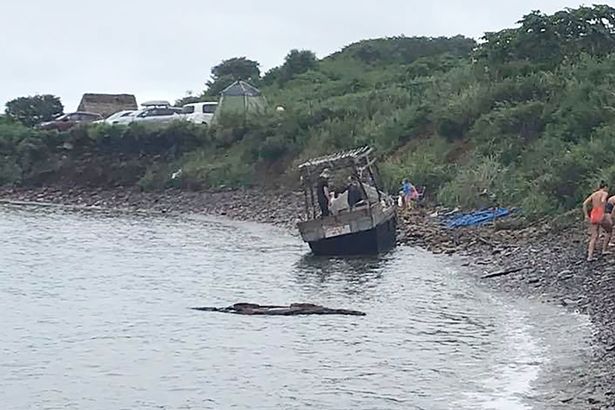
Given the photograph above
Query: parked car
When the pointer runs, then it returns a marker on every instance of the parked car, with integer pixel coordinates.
(120, 117)
(159, 115)
(66, 121)
(200, 113)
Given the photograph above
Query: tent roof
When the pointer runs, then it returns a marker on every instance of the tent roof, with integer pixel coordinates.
(241, 89)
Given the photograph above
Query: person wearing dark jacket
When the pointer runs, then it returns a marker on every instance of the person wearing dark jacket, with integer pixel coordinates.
(355, 195)
(322, 192)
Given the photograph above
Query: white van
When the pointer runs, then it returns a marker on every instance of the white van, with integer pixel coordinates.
(200, 113)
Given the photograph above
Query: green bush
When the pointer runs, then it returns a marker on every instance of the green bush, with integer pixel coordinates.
(424, 165)
(206, 169)
(482, 175)
(10, 172)
(156, 177)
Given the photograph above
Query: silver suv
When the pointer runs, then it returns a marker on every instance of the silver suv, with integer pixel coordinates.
(158, 115)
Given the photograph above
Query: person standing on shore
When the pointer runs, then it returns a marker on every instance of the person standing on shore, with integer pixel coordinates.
(409, 193)
(608, 208)
(596, 217)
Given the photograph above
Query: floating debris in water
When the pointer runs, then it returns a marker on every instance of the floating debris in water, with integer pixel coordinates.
(292, 309)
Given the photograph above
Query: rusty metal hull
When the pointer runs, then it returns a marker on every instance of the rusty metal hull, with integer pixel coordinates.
(374, 241)
(361, 232)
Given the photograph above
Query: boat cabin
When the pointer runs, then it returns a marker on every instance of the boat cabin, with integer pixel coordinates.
(357, 217)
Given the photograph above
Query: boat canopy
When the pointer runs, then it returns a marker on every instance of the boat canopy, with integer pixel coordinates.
(358, 159)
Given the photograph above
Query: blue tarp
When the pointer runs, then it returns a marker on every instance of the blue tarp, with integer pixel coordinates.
(475, 218)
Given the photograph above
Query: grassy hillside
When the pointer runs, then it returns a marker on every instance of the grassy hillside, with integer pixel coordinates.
(528, 114)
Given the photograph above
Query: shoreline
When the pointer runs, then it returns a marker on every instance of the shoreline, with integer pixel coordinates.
(544, 261)
(275, 207)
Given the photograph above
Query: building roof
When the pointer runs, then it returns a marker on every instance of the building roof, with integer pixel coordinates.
(107, 104)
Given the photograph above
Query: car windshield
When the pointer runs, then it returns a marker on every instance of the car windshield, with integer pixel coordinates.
(188, 109)
(87, 117)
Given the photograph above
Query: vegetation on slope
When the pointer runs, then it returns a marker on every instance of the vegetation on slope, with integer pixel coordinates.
(527, 114)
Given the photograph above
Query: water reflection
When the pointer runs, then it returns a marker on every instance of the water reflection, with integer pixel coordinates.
(356, 273)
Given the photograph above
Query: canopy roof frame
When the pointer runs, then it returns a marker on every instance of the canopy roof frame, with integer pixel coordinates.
(358, 158)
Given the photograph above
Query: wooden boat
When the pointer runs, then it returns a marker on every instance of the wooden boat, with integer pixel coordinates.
(367, 227)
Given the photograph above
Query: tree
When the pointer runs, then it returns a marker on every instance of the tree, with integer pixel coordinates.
(34, 109)
(550, 39)
(228, 71)
(406, 50)
(272, 75)
(240, 68)
(297, 62)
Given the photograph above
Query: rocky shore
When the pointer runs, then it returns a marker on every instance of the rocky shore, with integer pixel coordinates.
(544, 260)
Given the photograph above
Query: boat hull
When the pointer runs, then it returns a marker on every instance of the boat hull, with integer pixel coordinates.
(379, 239)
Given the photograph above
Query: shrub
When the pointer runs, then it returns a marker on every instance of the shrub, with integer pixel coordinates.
(10, 172)
(466, 187)
(425, 165)
(156, 177)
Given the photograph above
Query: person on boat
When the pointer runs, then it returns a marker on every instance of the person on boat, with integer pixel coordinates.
(336, 204)
(409, 193)
(597, 217)
(322, 192)
(355, 195)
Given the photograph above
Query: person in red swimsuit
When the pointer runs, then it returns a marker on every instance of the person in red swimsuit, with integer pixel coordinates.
(596, 216)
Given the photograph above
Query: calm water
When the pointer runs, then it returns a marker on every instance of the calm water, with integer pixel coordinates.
(95, 316)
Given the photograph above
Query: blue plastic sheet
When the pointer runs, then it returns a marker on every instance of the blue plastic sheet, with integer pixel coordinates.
(476, 218)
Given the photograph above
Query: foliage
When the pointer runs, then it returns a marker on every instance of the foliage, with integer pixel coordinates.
(34, 109)
(425, 164)
(547, 40)
(405, 50)
(296, 62)
(204, 168)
